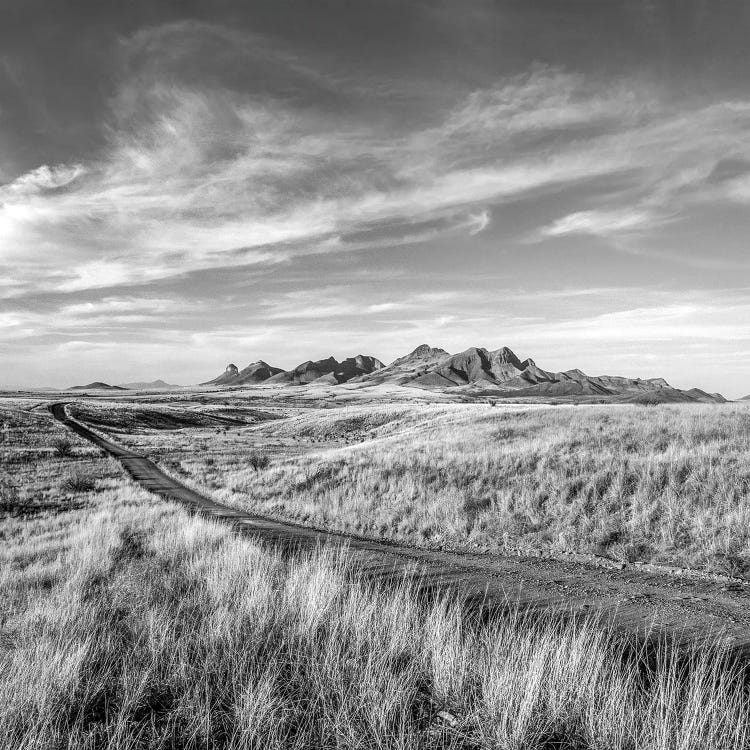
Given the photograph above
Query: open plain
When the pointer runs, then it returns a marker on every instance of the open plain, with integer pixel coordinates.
(608, 539)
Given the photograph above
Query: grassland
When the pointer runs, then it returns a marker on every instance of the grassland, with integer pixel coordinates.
(668, 484)
(128, 624)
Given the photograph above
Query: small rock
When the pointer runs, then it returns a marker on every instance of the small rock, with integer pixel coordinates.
(447, 717)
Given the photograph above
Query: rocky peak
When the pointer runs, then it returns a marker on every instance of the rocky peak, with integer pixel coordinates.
(505, 356)
(425, 351)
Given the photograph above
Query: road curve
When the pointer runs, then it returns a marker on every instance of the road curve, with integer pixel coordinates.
(689, 611)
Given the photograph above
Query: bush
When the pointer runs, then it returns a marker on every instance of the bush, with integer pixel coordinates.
(63, 447)
(258, 460)
(8, 496)
(77, 483)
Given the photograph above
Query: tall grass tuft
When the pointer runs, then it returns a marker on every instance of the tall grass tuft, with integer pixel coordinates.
(8, 495)
(63, 447)
(77, 482)
(258, 460)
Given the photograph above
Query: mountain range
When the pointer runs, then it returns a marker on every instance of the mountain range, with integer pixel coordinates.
(480, 372)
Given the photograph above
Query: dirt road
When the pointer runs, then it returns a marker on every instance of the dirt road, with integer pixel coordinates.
(688, 609)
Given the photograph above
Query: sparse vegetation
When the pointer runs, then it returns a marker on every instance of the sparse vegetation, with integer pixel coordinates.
(8, 496)
(258, 461)
(77, 482)
(63, 447)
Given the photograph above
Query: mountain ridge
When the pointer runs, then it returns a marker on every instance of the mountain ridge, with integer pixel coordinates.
(476, 371)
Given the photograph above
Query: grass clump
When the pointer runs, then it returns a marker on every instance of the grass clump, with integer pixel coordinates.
(9, 497)
(77, 482)
(63, 447)
(258, 461)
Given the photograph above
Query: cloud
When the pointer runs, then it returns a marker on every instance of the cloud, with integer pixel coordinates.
(480, 222)
(95, 319)
(199, 176)
(602, 223)
(545, 100)
(336, 301)
(118, 305)
(41, 179)
(210, 175)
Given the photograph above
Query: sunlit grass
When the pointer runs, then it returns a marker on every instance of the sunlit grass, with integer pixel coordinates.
(660, 484)
(159, 630)
(126, 623)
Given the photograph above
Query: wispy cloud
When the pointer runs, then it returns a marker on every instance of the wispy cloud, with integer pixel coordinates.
(193, 175)
(684, 159)
(40, 180)
(602, 223)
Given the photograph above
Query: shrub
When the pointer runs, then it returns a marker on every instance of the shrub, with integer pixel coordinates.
(258, 460)
(76, 483)
(63, 447)
(8, 496)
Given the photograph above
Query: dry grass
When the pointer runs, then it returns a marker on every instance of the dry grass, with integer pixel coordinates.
(127, 624)
(157, 630)
(43, 467)
(666, 484)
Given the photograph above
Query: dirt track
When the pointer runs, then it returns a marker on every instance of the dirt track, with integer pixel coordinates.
(690, 610)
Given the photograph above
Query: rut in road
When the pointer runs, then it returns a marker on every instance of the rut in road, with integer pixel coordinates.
(688, 611)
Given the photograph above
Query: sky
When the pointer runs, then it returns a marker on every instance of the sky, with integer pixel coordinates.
(186, 184)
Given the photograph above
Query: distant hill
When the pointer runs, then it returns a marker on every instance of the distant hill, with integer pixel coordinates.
(97, 386)
(475, 372)
(745, 398)
(152, 385)
(230, 372)
(256, 372)
(322, 371)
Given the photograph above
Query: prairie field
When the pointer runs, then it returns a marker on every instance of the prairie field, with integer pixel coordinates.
(126, 623)
(665, 484)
